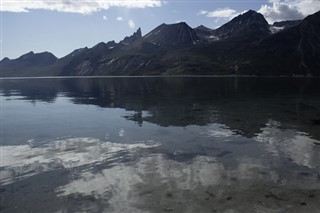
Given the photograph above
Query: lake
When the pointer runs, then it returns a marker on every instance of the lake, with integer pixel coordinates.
(160, 144)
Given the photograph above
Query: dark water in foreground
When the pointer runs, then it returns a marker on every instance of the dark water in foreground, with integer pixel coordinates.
(160, 145)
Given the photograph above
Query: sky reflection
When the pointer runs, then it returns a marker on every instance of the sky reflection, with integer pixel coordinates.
(159, 145)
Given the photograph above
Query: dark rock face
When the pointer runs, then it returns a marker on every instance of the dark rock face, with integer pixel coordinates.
(30, 61)
(292, 51)
(39, 59)
(250, 23)
(287, 24)
(172, 34)
(205, 34)
(130, 39)
(283, 25)
(5, 61)
(309, 44)
(244, 45)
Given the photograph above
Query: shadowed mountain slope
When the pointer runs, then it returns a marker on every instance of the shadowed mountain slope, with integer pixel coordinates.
(243, 46)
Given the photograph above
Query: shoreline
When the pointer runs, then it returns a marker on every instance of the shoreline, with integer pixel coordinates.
(154, 76)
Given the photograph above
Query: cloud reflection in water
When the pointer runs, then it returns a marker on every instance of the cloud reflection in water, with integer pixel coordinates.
(149, 176)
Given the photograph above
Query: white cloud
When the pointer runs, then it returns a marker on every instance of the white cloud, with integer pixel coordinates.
(202, 12)
(131, 24)
(280, 10)
(73, 6)
(105, 18)
(307, 7)
(119, 18)
(220, 13)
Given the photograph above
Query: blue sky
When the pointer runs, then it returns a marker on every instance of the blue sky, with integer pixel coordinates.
(60, 26)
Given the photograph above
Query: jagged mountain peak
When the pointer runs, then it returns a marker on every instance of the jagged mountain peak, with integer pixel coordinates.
(29, 60)
(248, 18)
(250, 23)
(27, 55)
(103, 46)
(138, 33)
(181, 23)
(172, 34)
(37, 56)
(165, 26)
(170, 49)
(111, 42)
(5, 59)
(130, 39)
(202, 27)
(249, 13)
(100, 44)
(80, 50)
(205, 34)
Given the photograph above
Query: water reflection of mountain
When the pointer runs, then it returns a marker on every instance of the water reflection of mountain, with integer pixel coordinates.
(31, 89)
(243, 104)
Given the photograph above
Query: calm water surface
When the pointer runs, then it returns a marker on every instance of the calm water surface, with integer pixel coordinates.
(190, 144)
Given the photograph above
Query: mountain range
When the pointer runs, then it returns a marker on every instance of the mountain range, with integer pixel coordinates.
(246, 45)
